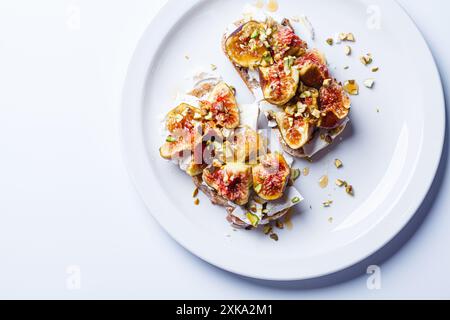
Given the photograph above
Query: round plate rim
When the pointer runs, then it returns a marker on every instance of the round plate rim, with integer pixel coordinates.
(135, 158)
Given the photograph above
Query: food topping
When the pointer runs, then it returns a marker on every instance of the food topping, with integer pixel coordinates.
(271, 176)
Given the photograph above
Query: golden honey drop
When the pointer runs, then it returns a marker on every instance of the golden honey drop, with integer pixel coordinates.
(323, 182)
(272, 5)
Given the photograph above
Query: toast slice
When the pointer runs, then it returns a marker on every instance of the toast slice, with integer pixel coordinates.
(246, 142)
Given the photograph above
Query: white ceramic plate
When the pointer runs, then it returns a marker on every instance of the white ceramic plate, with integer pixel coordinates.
(390, 156)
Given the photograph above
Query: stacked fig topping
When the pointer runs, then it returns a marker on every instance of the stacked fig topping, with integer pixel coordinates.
(229, 162)
(292, 77)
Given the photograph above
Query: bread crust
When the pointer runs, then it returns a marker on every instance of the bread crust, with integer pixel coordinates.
(218, 200)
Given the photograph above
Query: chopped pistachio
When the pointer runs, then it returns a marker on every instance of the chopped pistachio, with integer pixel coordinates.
(288, 63)
(330, 41)
(255, 34)
(340, 183)
(179, 118)
(274, 236)
(350, 37)
(338, 163)
(347, 37)
(316, 113)
(209, 116)
(366, 60)
(375, 69)
(295, 174)
(171, 139)
(187, 57)
(306, 94)
(369, 83)
(327, 204)
(291, 122)
(348, 50)
(254, 220)
(279, 224)
(258, 188)
(330, 219)
(327, 82)
(296, 200)
(349, 190)
(197, 116)
(267, 229)
(213, 67)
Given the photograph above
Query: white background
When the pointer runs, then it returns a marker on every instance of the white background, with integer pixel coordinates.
(65, 197)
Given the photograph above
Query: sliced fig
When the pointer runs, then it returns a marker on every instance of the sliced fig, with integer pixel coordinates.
(232, 181)
(313, 68)
(334, 105)
(221, 107)
(279, 82)
(195, 169)
(271, 176)
(183, 117)
(295, 130)
(173, 147)
(247, 145)
(285, 42)
(246, 47)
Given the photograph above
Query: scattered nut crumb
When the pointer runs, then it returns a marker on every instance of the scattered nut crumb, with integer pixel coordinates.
(338, 163)
(330, 219)
(327, 82)
(295, 174)
(369, 83)
(340, 183)
(349, 190)
(348, 50)
(279, 224)
(213, 67)
(366, 59)
(328, 203)
(347, 37)
(330, 41)
(375, 69)
(274, 236)
(267, 229)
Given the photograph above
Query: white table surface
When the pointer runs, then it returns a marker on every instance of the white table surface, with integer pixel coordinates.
(67, 204)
